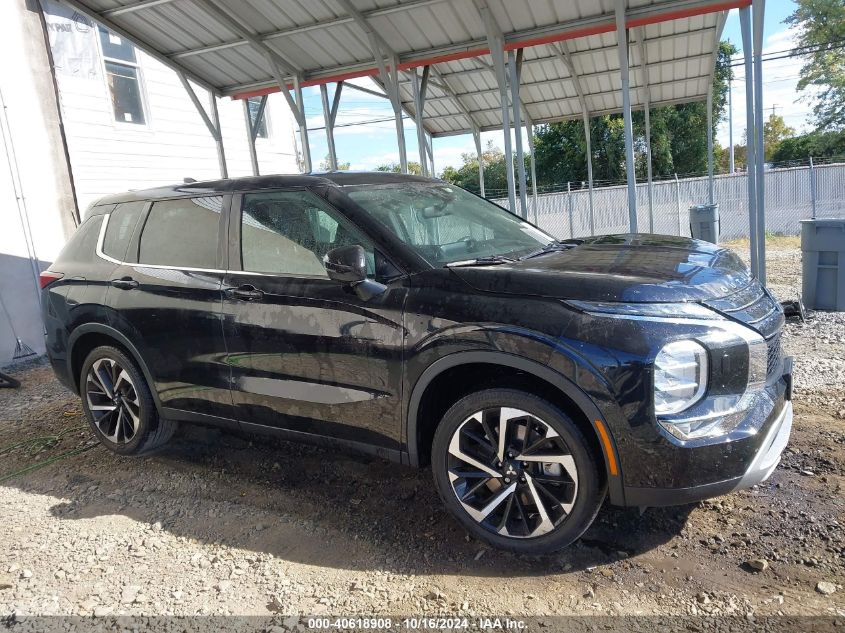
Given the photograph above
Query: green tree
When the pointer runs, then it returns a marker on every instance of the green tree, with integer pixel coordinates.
(821, 28)
(775, 132)
(815, 144)
(466, 176)
(413, 168)
(325, 165)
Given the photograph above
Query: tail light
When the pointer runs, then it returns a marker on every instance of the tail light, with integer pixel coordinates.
(47, 277)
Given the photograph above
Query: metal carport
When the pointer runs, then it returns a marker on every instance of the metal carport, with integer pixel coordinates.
(456, 66)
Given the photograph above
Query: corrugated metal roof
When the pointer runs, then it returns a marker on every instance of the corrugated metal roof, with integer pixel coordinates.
(221, 46)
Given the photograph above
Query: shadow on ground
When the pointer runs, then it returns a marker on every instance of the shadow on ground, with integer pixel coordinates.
(309, 505)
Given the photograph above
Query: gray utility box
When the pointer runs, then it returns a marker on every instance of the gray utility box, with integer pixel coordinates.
(823, 270)
(704, 222)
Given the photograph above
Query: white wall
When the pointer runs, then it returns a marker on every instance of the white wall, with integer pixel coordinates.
(109, 156)
(34, 177)
(105, 156)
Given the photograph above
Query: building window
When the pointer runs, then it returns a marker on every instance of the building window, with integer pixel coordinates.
(254, 104)
(124, 78)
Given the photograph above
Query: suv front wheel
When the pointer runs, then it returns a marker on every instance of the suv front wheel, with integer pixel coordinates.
(516, 471)
(119, 405)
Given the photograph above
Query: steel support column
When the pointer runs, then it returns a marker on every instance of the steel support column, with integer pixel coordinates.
(647, 113)
(252, 130)
(759, 7)
(751, 162)
(534, 199)
(303, 128)
(430, 146)
(419, 87)
(211, 122)
(517, 130)
(330, 116)
(589, 151)
(710, 194)
(476, 136)
(496, 44)
(731, 166)
(622, 45)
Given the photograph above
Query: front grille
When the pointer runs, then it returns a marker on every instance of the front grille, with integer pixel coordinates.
(775, 355)
(754, 306)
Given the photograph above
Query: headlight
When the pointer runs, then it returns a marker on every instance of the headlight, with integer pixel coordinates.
(680, 376)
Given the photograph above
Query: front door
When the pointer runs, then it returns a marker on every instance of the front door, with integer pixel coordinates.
(166, 294)
(306, 353)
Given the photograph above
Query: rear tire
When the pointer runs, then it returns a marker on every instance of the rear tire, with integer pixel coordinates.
(532, 491)
(119, 405)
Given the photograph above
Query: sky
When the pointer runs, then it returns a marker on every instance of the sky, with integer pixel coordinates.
(368, 146)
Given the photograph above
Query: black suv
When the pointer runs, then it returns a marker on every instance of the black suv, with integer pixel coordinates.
(415, 321)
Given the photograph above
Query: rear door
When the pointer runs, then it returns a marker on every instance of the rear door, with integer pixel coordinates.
(306, 353)
(166, 298)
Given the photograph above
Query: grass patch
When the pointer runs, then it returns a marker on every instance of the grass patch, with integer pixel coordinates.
(772, 241)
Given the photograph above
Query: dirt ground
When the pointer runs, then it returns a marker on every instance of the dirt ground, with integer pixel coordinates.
(234, 524)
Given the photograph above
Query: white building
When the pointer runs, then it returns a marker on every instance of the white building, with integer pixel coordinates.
(128, 124)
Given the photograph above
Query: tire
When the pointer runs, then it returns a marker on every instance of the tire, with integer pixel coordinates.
(125, 420)
(567, 483)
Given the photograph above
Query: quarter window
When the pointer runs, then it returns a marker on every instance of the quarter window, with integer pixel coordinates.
(290, 232)
(120, 228)
(182, 233)
(124, 78)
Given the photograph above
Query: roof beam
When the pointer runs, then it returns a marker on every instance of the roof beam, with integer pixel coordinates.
(562, 50)
(548, 82)
(587, 53)
(136, 6)
(224, 16)
(266, 37)
(556, 119)
(595, 113)
(389, 75)
(604, 23)
(114, 28)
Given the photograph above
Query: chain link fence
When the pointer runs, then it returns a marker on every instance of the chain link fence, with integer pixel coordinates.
(792, 194)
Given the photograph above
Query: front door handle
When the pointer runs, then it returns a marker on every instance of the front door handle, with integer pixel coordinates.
(125, 283)
(245, 293)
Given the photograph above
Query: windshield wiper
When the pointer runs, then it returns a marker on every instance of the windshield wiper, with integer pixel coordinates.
(551, 247)
(482, 261)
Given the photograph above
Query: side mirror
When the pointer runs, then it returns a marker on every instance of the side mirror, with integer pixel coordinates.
(346, 264)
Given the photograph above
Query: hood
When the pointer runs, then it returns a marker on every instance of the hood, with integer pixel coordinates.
(629, 268)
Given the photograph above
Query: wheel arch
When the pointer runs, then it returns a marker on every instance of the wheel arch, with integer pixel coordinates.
(562, 385)
(88, 336)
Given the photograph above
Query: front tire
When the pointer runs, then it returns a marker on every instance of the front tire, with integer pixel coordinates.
(516, 471)
(118, 403)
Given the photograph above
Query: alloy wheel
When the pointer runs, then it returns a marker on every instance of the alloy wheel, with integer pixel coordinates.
(512, 472)
(113, 400)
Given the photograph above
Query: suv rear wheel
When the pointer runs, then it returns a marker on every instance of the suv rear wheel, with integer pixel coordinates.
(119, 405)
(516, 471)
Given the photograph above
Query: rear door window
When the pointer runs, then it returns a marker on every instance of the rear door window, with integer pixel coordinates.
(120, 228)
(182, 233)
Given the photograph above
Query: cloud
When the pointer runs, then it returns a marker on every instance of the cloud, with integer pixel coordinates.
(780, 89)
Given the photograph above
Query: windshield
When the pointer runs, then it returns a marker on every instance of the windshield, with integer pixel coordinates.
(446, 224)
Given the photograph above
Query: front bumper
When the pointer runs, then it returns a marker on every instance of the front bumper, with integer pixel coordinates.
(768, 447)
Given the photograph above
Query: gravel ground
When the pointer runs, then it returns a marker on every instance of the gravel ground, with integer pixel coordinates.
(234, 524)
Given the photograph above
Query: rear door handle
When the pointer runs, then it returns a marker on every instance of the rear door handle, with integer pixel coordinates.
(126, 283)
(245, 293)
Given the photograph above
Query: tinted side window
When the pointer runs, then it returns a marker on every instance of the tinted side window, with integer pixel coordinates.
(120, 228)
(82, 245)
(289, 232)
(182, 233)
